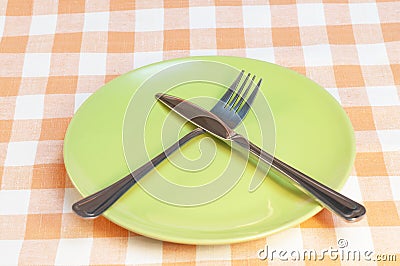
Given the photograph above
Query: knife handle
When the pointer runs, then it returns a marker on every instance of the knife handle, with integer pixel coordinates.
(339, 204)
(95, 204)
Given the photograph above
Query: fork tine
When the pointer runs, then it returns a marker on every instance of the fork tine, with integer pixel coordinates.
(228, 94)
(232, 103)
(244, 94)
(246, 106)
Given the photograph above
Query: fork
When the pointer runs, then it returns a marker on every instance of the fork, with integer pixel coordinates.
(231, 108)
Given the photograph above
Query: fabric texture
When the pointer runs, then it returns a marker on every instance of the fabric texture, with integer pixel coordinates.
(55, 54)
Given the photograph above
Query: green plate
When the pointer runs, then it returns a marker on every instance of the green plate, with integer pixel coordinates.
(306, 126)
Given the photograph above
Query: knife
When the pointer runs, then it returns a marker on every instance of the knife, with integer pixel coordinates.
(339, 204)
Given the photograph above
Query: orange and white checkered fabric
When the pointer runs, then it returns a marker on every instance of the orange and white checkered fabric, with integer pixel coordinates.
(54, 54)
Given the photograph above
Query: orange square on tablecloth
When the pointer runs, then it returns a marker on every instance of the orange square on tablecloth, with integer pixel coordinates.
(340, 34)
(176, 40)
(5, 130)
(117, 5)
(43, 226)
(19, 8)
(230, 38)
(54, 128)
(68, 6)
(289, 36)
(14, 44)
(121, 42)
(105, 228)
(67, 42)
(348, 76)
(391, 32)
(9, 86)
(323, 219)
(396, 73)
(48, 176)
(227, 3)
(382, 213)
(361, 117)
(370, 164)
(61, 84)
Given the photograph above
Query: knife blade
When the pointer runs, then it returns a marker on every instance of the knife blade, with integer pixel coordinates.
(334, 201)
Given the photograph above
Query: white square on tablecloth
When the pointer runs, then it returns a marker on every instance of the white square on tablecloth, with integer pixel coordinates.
(213, 253)
(335, 93)
(143, 250)
(149, 19)
(264, 54)
(202, 17)
(395, 185)
(317, 55)
(29, 107)
(364, 13)
(389, 139)
(372, 54)
(352, 189)
(383, 96)
(14, 202)
(42, 25)
(311, 14)
(145, 58)
(36, 65)
(92, 64)
(357, 238)
(257, 16)
(203, 52)
(80, 98)
(288, 240)
(2, 22)
(21, 153)
(96, 21)
(74, 251)
(9, 251)
(70, 197)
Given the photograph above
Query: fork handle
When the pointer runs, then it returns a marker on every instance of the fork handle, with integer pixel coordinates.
(95, 204)
(339, 204)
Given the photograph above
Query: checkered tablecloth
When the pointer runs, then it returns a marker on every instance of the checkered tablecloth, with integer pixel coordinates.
(55, 53)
